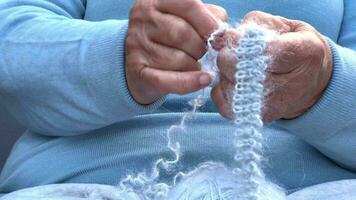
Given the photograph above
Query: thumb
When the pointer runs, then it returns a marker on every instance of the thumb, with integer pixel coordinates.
(167, 82)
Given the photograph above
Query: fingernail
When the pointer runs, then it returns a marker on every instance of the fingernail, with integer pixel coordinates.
(205, 79)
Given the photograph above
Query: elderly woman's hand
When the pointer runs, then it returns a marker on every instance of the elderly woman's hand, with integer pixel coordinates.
(164, 43)
(300, 68)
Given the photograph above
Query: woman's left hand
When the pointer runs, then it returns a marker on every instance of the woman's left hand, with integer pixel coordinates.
(298, 73)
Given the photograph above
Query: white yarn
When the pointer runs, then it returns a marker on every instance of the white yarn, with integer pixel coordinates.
(213, 181)
(146, 186)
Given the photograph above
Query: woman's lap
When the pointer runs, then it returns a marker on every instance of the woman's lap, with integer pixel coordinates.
(105, 157)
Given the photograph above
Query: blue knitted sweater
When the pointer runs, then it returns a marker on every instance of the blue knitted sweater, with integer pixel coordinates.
(62, 76)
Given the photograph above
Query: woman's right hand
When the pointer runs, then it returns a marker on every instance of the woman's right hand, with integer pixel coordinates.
(164, 43)
(298, 73)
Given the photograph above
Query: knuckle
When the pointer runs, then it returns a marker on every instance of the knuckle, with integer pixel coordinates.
(136, 13)
(182, 85)
(180, 60)
(168, 59)
(156, 82)
(319, 48)
(300, 23)
(150, 14)
(183, 36)
(296, 23)
(141, 72)
(223, 14)
(288, 55)
(227, 115)
(218, 11)
(142, 10)
(227, 111)
(288, 52)
(179, 32)
(131, 42)
(158, 59)
(252, 15)
(191, 4)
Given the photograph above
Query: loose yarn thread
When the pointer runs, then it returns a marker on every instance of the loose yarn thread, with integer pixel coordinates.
(146, 186)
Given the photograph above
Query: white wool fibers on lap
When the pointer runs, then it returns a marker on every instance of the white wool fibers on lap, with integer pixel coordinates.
(215, 182)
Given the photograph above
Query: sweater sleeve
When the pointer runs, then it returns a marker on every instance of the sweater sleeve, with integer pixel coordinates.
(330, 125)
(59, 74)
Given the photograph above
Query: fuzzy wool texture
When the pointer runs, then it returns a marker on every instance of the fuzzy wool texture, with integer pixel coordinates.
(210, 180)
(247, 106)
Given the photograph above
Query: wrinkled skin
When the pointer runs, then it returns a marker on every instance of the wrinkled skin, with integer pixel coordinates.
(164, 43)
(299, 71)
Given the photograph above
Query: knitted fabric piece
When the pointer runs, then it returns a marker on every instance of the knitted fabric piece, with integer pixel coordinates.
(247, 106)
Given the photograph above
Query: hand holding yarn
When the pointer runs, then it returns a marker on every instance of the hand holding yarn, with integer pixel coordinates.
(164, 43)
(300, 67)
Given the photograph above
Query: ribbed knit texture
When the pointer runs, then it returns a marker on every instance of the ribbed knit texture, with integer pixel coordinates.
(247, 100)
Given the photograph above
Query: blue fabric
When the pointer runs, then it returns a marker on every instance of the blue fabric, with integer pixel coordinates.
(62, 76)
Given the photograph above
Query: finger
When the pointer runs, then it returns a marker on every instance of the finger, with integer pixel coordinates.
(228, 89)
(227, 39)
(221, 103)
(194, 12)
(227, 64)
(175, 32)
(276, 23)
(219, 12)
(170, 59)
(168, 82)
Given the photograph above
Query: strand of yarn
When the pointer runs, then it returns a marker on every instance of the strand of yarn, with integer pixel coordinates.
(147, 186)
